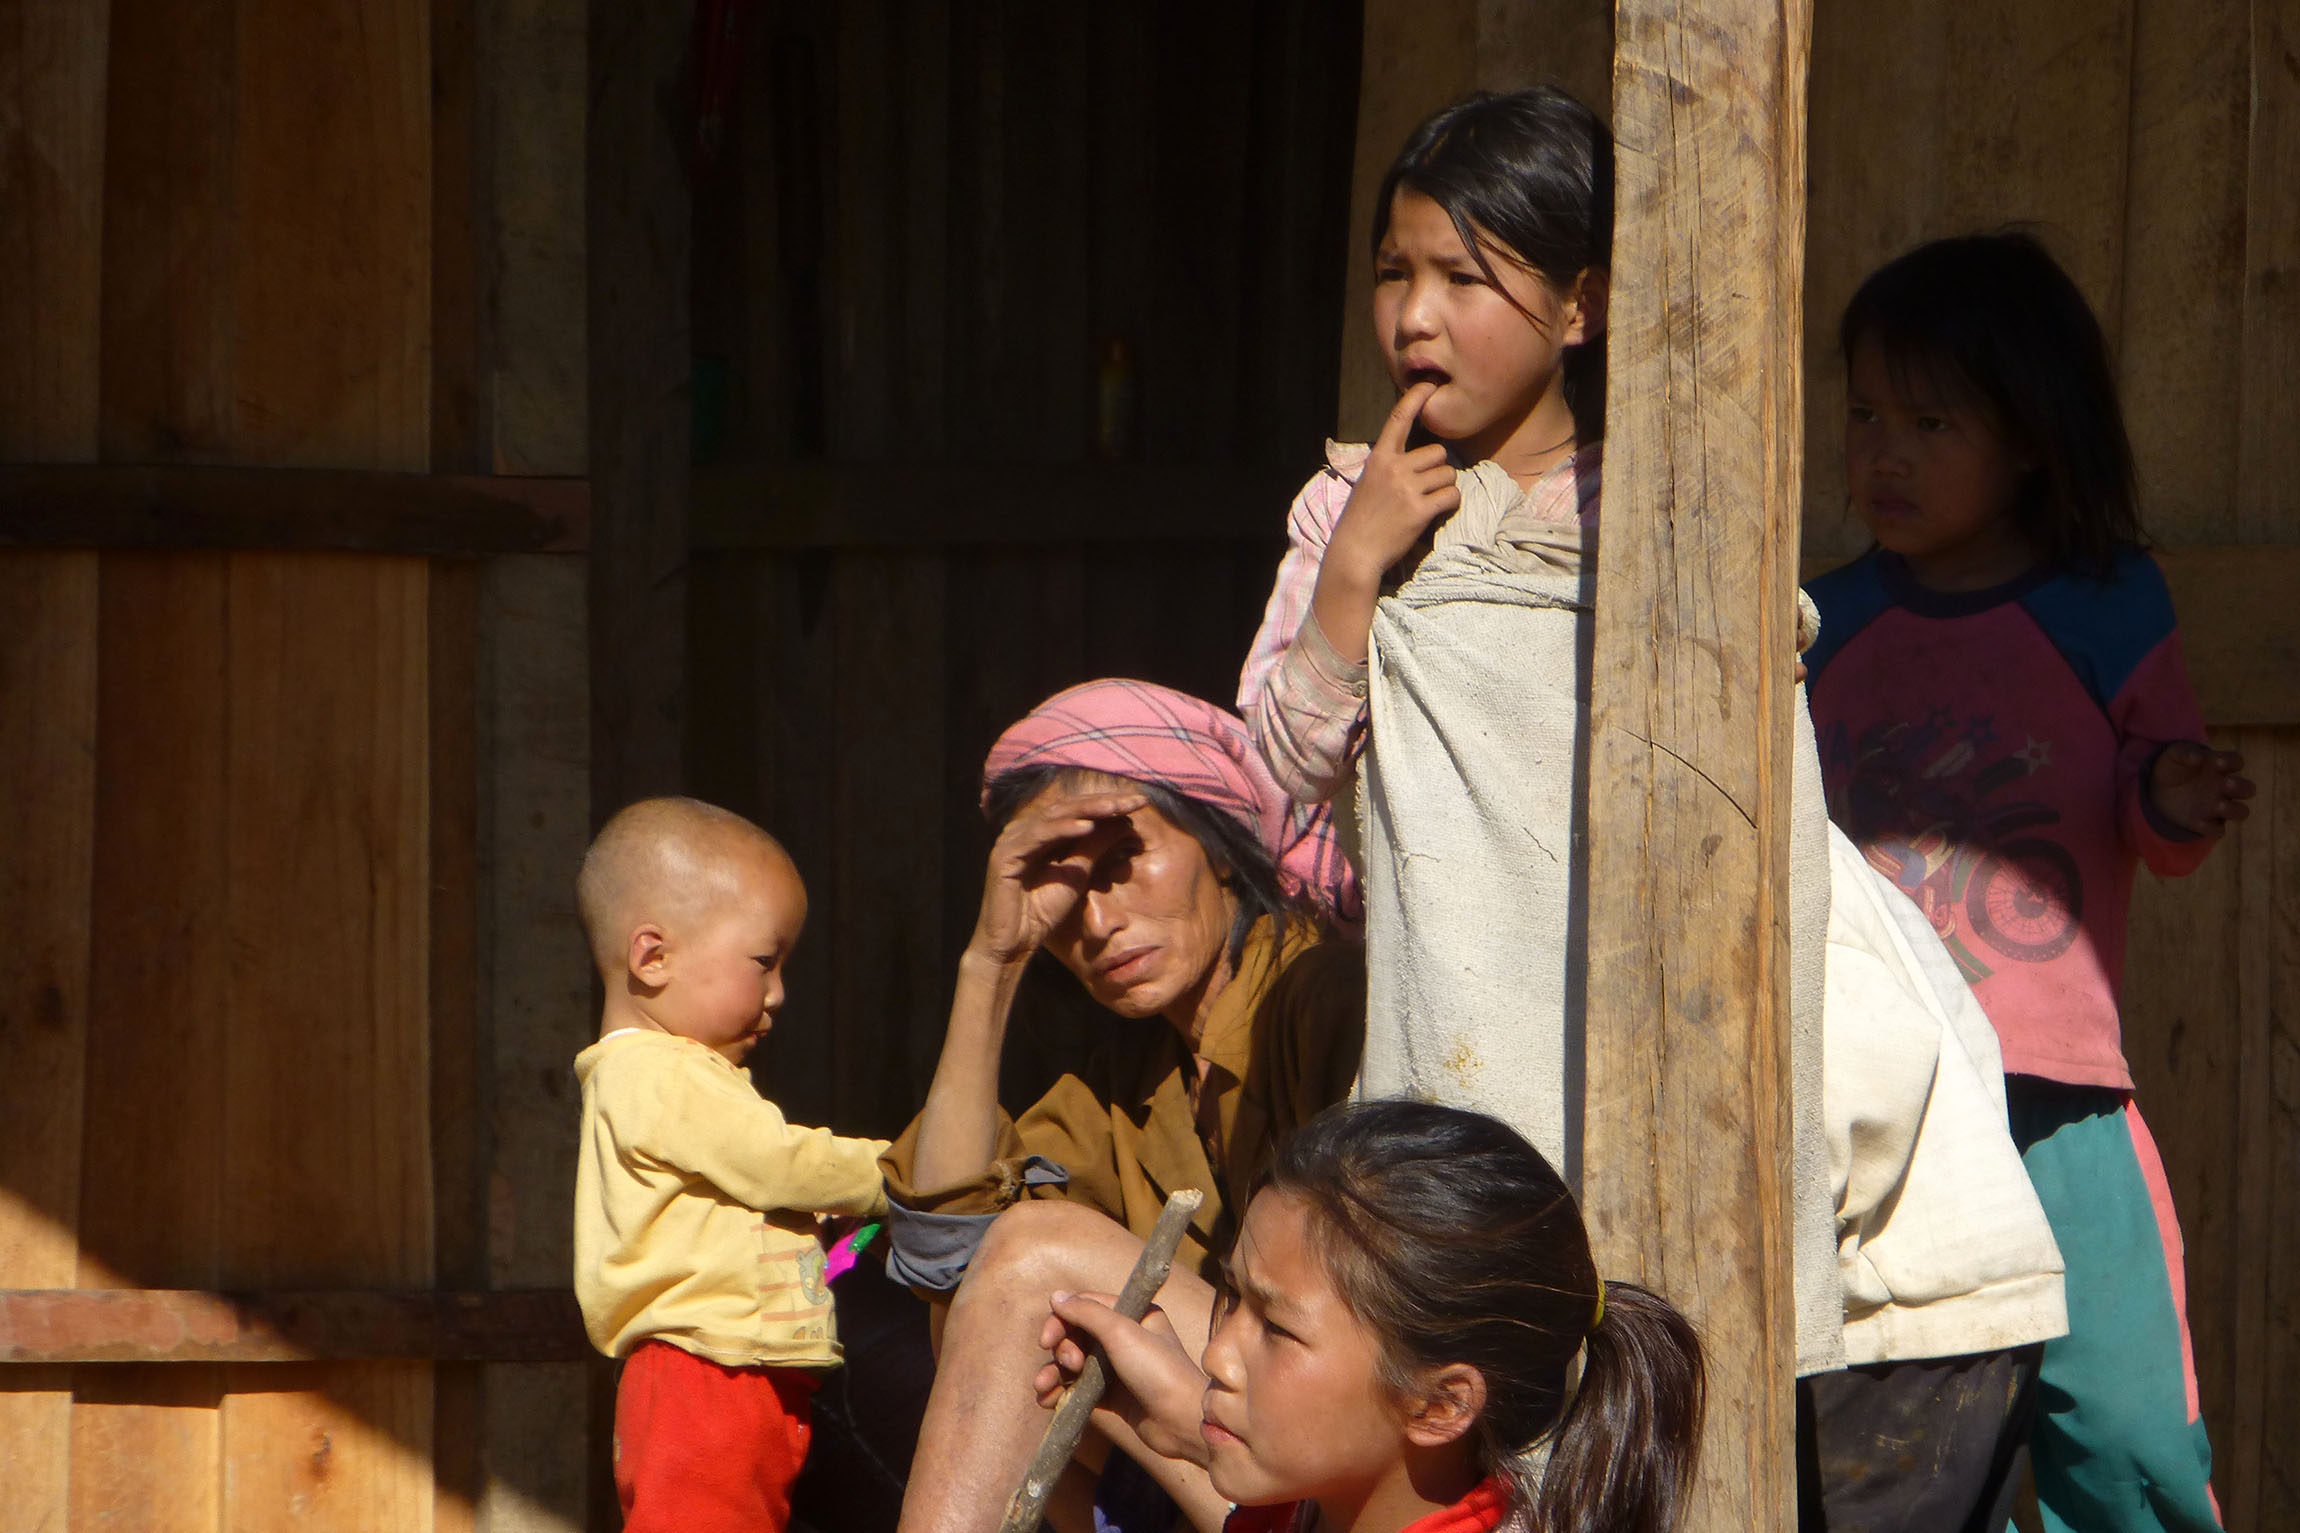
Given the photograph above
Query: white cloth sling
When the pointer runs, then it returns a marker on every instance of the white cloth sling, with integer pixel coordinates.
(1471, 820)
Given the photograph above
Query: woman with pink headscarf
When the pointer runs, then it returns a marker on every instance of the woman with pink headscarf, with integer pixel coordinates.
(1143, 844)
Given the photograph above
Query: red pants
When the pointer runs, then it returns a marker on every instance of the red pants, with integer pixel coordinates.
(701, 1448)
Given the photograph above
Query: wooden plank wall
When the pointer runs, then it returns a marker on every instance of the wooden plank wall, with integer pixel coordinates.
(931, 229)
(2158, 146)
(245, 1049)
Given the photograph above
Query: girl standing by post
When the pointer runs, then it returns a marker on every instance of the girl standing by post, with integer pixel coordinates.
(1491, 235)
(2007, 731)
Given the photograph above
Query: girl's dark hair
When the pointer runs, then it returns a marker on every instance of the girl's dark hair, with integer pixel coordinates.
(1993, 320)
(1534, 170)
(1239, 858)
(1455, 1242)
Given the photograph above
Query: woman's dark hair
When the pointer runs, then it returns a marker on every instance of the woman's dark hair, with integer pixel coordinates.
(1991, 319)
(1455, 1242)
(1240, 860)
(1534, 170)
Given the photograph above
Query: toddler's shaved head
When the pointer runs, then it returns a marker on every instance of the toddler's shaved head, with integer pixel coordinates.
(669, 861)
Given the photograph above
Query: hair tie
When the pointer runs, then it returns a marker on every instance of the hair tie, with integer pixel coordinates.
(1597, 1316)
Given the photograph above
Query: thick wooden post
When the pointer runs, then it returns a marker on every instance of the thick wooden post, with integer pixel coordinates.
(1687, 1149)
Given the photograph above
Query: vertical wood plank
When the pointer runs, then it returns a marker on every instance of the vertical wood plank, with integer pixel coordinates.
(147, 1449)
(1687, 1147)
(2268, 444)
(538, 1011)
(459, 236)
(539, 993)
(331, 264)
(326, 1128)
(2182, 1013)
(920, 355)
(533, 82)
(796, 647)
(2272, 1497)
(864, 262)
(166, 389)
(2184, 262)
(638, 239)
(2254, 1216)
(36, 1444)
(888, 712)
(330, 1445)
(2267, 1407)
(48, 682)
(152, 1204)
(456, 1089)
(51, 241)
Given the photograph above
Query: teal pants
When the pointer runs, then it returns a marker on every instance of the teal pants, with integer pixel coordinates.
(2119, 1446)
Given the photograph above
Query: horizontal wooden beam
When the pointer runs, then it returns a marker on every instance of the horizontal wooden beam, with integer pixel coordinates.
(107, 505)
(156, 1325)
(2239, 607)
(848, 505)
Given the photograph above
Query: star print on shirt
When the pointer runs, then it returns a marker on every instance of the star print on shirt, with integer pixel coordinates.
(2037, 754)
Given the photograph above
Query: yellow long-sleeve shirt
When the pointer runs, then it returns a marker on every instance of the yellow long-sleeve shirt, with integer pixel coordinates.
(695, 1205)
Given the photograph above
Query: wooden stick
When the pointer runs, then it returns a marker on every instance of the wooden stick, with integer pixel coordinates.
(1069, 1423)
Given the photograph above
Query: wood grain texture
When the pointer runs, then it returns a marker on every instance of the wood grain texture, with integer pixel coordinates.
(2268, 441)
(36, 1444)
(170, 233)
(1685, 1182)
(2273, 1160)
(456, 1089)
(330, 1445)
(326, 1130)
(531, 185)
(48, 671)
(167, 1325)
(153, 1195)
(886, 906)
(51, 242)
(147, 1449)
(2239, 629)
(2182, 1013)
(353, 511)
(329, 277)
(537, 1006)
(2184, 233)
(640, 356)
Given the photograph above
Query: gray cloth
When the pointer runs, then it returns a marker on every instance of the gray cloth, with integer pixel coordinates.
(1472, 810)
(931, 1251)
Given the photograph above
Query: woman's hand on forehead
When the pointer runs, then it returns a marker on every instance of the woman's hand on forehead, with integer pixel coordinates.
(1040, 864)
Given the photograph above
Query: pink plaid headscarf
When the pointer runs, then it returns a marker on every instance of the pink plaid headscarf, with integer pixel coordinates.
(1155, 734)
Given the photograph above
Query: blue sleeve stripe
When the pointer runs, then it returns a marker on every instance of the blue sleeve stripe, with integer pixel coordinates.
(2104, 628)
(1850, 598)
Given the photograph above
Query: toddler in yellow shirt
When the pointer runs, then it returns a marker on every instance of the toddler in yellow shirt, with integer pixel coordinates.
(696, 1255)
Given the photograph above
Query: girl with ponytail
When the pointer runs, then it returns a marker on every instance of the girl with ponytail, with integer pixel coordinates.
(1413, 1311)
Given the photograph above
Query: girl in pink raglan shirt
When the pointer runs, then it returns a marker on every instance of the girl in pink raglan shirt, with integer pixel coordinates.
(2007, 731)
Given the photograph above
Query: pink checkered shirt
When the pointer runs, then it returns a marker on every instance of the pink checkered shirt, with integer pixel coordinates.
(1305, 704)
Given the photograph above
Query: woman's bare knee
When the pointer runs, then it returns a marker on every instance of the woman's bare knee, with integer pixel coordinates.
(1045, 1245)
